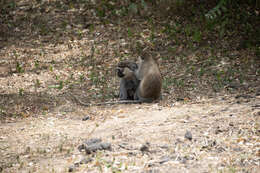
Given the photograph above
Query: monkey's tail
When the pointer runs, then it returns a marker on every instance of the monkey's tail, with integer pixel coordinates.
(120, 102)
(107, 103)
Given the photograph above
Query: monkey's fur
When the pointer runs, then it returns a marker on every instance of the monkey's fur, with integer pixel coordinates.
(143, 79)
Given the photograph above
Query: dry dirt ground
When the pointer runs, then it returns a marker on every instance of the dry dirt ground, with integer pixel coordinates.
(144, 138)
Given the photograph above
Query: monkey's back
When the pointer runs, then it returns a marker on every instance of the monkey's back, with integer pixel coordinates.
(151, 85)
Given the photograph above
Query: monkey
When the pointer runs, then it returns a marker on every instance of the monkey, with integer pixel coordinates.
(149, 75)
(128, 86)
(146, 76)
(128, 81)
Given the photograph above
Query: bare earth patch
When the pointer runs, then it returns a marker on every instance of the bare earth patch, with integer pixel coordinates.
(225, 138)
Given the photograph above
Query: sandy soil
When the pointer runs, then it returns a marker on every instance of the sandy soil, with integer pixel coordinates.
(222, 140)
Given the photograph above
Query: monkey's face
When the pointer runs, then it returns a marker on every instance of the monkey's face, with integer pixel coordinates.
(120, 72)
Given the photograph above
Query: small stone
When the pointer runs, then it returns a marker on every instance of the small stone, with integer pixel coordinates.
(145, 147)
(106, 146)
(164, 146)
(81, 147)
(68, 27)
(92, 141)
(184, 159)
(76, 164)
(92, 148)
(164, 159)
(93, 145)
(71, 168)
(85, 161)
(86, 118)
(188, 135)
(238, 149)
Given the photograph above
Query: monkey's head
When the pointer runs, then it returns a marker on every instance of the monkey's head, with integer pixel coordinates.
(141, 59)
(131, 65)
(144, 56)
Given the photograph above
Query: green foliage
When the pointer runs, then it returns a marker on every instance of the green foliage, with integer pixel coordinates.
(135, 7)
(81, 78)
(197, 36)
(7, 5)
(37, 84)
(36, 64)
(21, 91)
(60, 85)
(130, 33)
(257, 52)
(217, 10)
(222, 7)
(19, 68)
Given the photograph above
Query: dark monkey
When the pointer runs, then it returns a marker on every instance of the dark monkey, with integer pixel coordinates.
(128, 82)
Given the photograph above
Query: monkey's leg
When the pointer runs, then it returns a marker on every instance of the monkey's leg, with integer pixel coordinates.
(122, 90)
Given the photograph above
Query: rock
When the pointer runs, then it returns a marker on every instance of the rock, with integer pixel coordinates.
(71, 168)
(85, 161)
(89, 143)
(81, 147)
(152, 171)
(184, 159)
(86, 118)
(145, 147)
(98, 146)
(93, 141)
(188, 135)
(92, 145)
(77, 164)
(165, 146)
(164, 159)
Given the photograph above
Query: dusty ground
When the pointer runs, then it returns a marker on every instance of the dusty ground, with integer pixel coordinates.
(225, 138)
(211, 86)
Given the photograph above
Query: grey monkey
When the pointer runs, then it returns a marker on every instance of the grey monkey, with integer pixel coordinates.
(128, 82)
